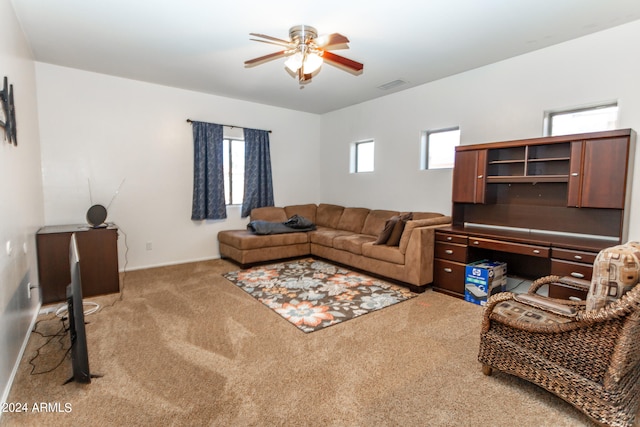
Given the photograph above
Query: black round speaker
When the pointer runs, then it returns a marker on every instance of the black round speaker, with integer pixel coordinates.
(96, 215)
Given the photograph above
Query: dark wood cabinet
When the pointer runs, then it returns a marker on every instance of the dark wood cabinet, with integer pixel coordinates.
(450, 255)
(542, 205)
(598, 173)
(469, 176)
(98, 260)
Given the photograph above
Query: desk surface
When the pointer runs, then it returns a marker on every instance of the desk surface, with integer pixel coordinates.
(541, 238)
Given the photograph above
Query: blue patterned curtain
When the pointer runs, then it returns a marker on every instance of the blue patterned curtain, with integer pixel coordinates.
(208, 173)
(258, 187)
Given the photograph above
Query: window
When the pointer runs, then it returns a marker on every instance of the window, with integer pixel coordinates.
(362, 156)
(579, 120)
(439, 148)
(233, 171)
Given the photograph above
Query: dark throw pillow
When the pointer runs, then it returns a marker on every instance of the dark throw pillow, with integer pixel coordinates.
(387, 230)
(398, 228)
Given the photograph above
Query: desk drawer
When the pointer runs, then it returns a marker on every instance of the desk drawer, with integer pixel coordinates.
(575, 256)
(449, 275)
(573, 269)
(451, 238)
(451, 251)
(516, 248)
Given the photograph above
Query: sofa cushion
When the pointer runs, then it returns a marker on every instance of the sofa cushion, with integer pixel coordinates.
(375, 222)
(244, 239)
(269, 213)
(352, 242)
(324, 236)
(307, 211)
(328, 215)
(398, 228)
(435, 219)
(390, 254)
(352, 219)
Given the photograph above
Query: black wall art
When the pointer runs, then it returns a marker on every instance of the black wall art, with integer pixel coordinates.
(8, 113)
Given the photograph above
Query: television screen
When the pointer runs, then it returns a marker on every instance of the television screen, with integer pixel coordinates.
(77, 333)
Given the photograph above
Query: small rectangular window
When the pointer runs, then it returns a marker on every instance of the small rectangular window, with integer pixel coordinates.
(439, 147)
(580, 120)
(233, 159)
(362, 156)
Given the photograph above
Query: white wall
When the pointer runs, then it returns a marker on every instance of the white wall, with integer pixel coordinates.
(105, 129)
(498, 102)
(21, 208)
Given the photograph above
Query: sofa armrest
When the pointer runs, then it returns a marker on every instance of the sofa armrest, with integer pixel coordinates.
(439, 221)
(418, 257)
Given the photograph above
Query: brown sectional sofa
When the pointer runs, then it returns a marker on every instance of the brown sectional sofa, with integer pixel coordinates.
(345, 235)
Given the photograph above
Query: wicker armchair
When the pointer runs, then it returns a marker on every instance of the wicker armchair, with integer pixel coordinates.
(591, 359)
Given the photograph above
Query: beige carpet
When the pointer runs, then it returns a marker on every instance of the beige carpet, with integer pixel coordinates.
(185, 347)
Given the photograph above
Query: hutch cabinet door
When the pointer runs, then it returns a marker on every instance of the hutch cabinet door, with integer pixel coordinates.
(597, 174)
(469, 176)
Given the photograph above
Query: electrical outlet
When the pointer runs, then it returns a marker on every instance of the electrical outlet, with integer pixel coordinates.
(149, 246)
(29, 290)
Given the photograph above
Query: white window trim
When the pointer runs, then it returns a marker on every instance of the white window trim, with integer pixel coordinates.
(548, 114)
(424, 146)
(353, 155)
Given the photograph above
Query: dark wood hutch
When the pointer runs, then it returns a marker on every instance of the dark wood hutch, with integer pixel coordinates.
(542, 205)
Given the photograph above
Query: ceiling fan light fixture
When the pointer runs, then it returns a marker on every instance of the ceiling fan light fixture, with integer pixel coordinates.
(312, 62)
(306, 52)
(294, 62)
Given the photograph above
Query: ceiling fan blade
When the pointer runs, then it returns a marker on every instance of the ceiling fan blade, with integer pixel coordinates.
(289, 45)
(331, 40)
(270, 38)
(343, 62)
(261, 59)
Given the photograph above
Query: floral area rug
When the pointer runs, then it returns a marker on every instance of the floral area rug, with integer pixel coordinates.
(314, 294)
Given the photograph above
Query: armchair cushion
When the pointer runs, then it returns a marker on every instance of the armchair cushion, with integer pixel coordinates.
(514, 310)
(616, 271)
(547, 304)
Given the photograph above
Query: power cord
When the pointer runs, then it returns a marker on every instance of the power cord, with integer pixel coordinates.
(63, 309)
(61, 313)
(60, 334)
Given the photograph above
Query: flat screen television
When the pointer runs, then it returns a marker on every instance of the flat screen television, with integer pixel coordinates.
(77, 332)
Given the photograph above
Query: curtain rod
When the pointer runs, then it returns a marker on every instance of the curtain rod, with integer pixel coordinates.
(229, 126)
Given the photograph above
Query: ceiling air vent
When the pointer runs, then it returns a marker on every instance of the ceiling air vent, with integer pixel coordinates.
(392, 84)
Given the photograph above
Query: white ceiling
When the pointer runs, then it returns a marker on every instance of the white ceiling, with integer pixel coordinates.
(201, 45)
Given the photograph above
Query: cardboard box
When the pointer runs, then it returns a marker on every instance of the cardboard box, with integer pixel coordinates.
(483, 279)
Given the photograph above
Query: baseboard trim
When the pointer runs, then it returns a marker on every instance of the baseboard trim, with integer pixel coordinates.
(167, 264)
(16, 365)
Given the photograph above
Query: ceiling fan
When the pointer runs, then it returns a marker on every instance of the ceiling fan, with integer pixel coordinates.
(306, 52)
